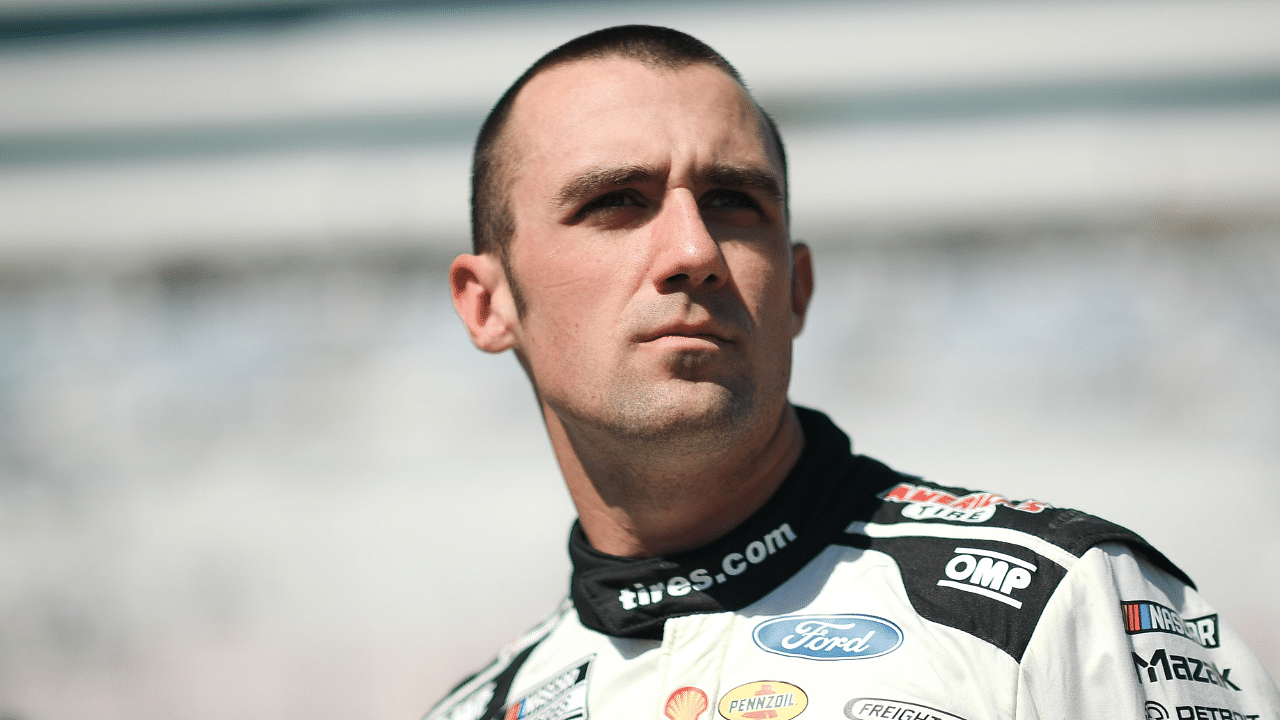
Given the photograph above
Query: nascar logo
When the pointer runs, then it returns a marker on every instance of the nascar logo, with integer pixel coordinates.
(1144, 616)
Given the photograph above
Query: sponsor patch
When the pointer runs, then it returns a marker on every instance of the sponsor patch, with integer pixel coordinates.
(920, 495)
(828, 637)
(1144, 617)
(988, 573)
(1164, 666)
(763, 700)
(563, 696)
(1200, 712)
(1155, 711)
(731, 565)
(687, 703)
(882, 709)
(929, 511)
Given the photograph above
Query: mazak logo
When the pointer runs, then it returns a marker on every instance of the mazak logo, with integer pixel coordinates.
(988, 573)
(1162, 666)
(731, 565)
(1146, 617)
(924, 503)
(828, 637)
(562, 697)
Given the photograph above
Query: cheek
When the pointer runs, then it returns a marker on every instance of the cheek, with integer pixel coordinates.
(563, 329)
(764, 283)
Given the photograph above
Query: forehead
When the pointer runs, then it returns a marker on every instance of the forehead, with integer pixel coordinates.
(619, 111)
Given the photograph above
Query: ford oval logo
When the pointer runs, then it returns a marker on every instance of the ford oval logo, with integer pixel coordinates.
(828, 637)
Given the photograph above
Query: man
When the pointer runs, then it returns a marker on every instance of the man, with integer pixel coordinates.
(732, 557)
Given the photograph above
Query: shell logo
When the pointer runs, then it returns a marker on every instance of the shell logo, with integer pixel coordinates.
(687, 703)
(763, 700)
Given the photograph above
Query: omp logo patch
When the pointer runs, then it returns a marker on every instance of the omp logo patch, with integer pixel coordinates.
(1162, 666)
(828, 637)
(1144, 617)
(561, 697)
(763, 700)
(881, 709)
(988, 573)
(731, 565)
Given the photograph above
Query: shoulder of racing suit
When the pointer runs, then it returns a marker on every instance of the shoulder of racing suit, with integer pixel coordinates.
(957, 550)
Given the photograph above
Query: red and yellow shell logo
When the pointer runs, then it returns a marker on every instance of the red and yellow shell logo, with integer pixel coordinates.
(687, 703)
(763, 700)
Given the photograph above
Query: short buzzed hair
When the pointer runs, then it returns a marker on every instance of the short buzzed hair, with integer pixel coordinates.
(492, 220)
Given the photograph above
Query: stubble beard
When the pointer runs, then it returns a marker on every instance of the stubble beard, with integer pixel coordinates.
(680, 416)
(663, 433)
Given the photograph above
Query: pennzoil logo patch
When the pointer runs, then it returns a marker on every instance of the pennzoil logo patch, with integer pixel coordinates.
(763, 700)
(563, 696)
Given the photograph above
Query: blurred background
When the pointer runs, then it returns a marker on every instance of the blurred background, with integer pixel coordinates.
(251, 467)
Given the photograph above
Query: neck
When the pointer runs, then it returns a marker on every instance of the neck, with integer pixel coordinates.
(638, 498)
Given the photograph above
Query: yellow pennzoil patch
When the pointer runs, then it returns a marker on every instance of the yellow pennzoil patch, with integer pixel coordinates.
(763, 700)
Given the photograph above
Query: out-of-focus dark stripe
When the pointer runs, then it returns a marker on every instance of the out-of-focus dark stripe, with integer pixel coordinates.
(1121, 95)
(36, 26)
(456, 127)
(388, 131)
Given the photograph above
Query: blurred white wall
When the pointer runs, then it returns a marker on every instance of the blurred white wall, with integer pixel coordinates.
(355, 125)
(250, 466)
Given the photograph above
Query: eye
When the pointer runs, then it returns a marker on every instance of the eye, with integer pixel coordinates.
(729, 200)
(610, 202)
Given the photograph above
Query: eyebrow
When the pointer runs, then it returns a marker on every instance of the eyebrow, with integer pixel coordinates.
(740, 177)
(596, 180)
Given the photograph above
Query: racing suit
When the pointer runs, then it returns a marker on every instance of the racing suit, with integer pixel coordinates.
(859, 592)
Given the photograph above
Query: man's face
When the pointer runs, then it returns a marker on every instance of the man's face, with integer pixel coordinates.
(651, 251)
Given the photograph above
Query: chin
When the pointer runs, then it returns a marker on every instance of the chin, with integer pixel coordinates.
(689, 413)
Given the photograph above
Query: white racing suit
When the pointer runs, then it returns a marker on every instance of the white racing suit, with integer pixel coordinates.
(858, 592)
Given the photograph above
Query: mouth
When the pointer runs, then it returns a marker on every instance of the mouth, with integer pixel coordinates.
(676, 323)
(691, 334)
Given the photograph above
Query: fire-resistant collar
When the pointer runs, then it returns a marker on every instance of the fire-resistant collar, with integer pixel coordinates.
(826, 490)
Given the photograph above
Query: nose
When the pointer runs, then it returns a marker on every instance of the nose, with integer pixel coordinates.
(686, 257)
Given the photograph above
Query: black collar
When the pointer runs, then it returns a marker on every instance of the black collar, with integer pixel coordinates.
(827, 488)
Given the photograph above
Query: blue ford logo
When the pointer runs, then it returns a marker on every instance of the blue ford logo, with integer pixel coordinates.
(828, 637)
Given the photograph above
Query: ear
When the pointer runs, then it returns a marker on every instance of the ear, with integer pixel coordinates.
(483, 301)
(801, 285)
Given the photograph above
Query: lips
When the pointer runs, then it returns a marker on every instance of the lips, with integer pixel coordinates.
(715, 319)
(710, 331)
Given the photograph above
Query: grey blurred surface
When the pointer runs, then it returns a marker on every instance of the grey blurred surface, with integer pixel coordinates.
(251, 467)
(271, 489)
